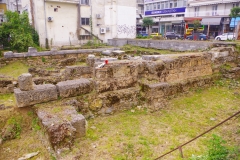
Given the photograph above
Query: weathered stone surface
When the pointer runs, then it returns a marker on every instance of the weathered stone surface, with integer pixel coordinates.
(63, 124)
(107, 53)
(32, 50)
(117, 100)
(90, 60)
(72, 88)
(40, 94)
(118, 52)
(68, 61)
(25, 82)
(78, 71)
(233, 73)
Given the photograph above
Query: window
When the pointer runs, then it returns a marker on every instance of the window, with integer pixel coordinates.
(235, 5)
(84, 37)
(85, 21)
(162, 5)
(196, 9)
(214, 10)
(171, 4)
(166, 4)
(147, 7)
(86, 2)
(158, 5)
(175, 3)
(154, 6)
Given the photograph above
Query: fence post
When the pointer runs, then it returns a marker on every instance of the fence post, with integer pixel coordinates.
(181, 152)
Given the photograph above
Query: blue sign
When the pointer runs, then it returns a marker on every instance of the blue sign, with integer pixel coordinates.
(165, 11)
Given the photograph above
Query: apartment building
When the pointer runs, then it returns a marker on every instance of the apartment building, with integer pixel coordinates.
(3, 9)
(168, 15)
(72, 22)
(214, 15)
(139, 17)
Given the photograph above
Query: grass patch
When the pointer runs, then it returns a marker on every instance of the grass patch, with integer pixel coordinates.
(7, 99)
(14, 69)
(140, 50)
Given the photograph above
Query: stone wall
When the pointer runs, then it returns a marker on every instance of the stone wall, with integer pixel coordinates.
(176, 45)
(33, 52)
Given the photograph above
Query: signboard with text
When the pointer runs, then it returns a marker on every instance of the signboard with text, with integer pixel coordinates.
(165, 11)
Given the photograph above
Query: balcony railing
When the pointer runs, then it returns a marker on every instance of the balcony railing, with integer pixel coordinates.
(1, 11)
(208, 13)
(65, 1)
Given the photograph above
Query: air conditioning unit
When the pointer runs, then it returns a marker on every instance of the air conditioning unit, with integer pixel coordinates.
(102, 30)
(108, 29)
(98, 16)
(50, 19)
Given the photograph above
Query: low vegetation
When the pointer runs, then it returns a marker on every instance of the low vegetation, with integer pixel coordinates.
(139, 134)
(14, 69)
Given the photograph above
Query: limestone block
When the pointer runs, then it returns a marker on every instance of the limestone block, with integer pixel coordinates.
(74, 87)
(25, 82)
(107, 53)
(8, 54)
(40, 94)
(118, 52)
(77, 70)
(32, 50)
(90, 60)
(62, 124)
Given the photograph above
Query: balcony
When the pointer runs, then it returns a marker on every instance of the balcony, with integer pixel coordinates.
(211, 13)
(140, 2)
(1, 11)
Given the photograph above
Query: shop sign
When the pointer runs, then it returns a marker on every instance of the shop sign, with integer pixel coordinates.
(165, 11)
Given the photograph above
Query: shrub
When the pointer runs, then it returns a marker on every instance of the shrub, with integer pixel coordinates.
(17, 33)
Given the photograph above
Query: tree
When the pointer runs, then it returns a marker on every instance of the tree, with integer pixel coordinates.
(17, 33)
(147, 22)
(196, 24)
(234, 14)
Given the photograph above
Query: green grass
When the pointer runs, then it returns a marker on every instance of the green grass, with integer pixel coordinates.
(143, 135)
(137, 50)
(14, 69)
(7, 99)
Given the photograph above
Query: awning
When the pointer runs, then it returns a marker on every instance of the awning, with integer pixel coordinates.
(211, 21)
(236, 22)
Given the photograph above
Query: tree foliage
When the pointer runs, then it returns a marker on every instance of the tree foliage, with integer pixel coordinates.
(147, 22)
(235, 12)
(17, 33)
(196, 24)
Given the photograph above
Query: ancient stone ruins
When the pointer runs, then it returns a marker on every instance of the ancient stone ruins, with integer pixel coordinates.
(110, 84)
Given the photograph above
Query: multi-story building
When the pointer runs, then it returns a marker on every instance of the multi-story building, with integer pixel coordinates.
(3, 9)
(168, 15)
(14, 5)
(140, 14)
(214, 15)
(72, 22)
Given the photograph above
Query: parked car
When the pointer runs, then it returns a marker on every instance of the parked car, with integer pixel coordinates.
(225, 36)
(201, 37)
(155, 34)
(172, 35)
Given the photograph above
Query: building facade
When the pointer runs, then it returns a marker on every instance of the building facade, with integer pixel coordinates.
(214, 15)
(168, 15)
(139, 17)
(72, 22)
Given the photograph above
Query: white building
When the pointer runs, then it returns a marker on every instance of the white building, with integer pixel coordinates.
(71, 22)
(168, 14)
(11, 5)
(214, 14)
(140, 15)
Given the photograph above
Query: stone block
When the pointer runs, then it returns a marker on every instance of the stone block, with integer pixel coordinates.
(63, 124)
(91, 60)
(107, 53)
(8, 54)
(74, 87)
(25, 82)
(73, 71)
(118, 52)
(32, 50)
(40, 94)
